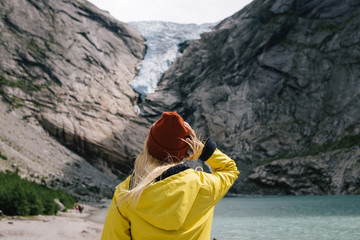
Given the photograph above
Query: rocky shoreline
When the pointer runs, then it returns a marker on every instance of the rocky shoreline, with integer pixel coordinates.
(65, 225)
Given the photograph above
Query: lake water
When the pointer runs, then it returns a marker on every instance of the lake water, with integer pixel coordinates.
(284, 218)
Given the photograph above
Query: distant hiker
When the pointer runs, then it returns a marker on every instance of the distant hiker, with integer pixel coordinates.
(163, 198)
(81, 208)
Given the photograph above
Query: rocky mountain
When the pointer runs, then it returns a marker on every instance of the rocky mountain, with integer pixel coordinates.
(277, 86)
(66, 65)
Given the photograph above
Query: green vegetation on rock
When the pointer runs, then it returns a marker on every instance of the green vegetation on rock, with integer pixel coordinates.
(23, 85)
(33, 46)
(315, 149)
(22, 197)
(345, 142)
(3, 156)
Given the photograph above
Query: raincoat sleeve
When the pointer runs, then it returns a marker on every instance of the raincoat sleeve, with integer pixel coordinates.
(224, 170)
(116, 226)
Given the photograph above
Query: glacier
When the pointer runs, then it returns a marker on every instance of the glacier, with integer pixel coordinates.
(162, 40)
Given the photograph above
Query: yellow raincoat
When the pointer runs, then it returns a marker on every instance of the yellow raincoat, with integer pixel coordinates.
(178, 207)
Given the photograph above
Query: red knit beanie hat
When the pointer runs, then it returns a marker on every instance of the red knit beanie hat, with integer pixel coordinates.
(165, 141)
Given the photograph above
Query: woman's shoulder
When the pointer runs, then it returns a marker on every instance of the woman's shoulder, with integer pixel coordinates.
(123, 185)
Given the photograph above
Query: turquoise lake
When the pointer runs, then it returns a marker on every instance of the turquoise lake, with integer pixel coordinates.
(283, 218)
(288, 217)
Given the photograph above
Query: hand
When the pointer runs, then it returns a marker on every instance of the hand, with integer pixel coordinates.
(194, 142)
(191, 132)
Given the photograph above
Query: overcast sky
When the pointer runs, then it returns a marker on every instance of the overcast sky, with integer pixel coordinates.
(180, 11)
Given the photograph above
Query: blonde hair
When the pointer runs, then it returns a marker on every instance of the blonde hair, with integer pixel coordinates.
(147, 169)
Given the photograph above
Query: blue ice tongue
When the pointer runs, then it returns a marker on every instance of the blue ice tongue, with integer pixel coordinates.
(162, 40)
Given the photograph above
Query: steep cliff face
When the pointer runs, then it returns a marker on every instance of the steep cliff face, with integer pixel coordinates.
(68, 64)
(277, 85)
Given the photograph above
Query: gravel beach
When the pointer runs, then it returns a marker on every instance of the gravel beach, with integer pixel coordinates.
(65, 225)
